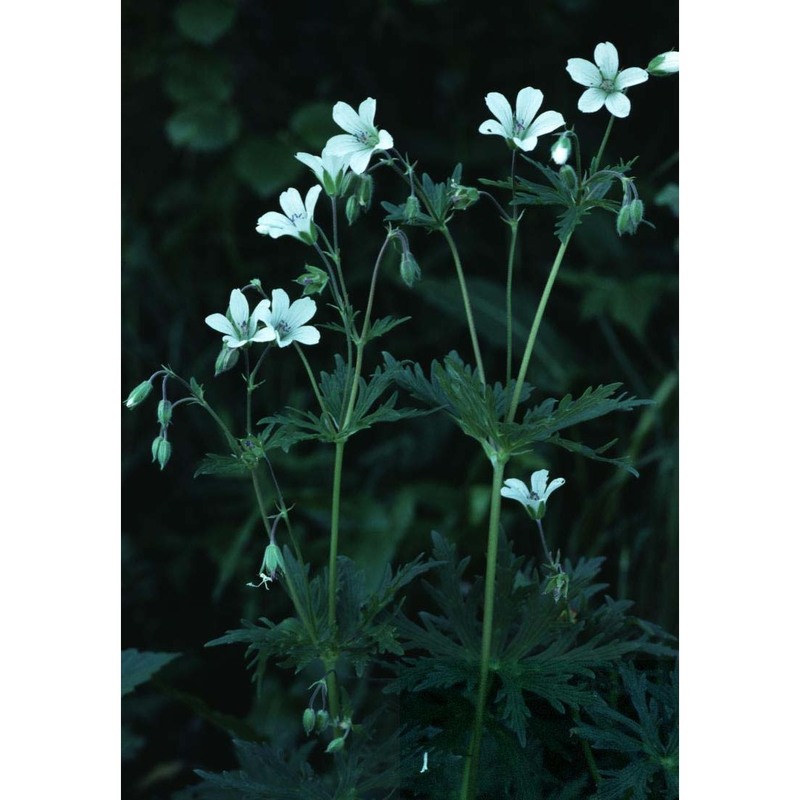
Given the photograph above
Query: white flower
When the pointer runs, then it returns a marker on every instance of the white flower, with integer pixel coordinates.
(362, 138)
(534, 498)
(288, 321)
(561, 150)
(298, 220)
(330, 170)
(520, 129)
(606, 83)
(664, 64)
(239, 325)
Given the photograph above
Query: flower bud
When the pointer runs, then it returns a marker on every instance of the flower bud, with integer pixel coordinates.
(351, 209)
(664, 64)
(309, 718)
(411, 211)
(313, 280)
(629, 217)
(364, 191)
(409, 269)
(164, 412)
(561, 150)
(162, 450)
(570, 179)
(226, 359)
(321, 721)
(139, 394)
(335, 745)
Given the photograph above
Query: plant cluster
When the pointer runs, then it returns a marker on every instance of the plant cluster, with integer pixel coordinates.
(523, 680)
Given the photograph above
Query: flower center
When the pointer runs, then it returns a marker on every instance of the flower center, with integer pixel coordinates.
(607, 85)
(517, 126)
(282, 329)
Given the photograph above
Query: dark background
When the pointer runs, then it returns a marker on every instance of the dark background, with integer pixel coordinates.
(217, 97)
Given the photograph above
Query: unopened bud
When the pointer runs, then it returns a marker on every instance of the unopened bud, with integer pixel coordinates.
(321, 721)
(226, 359)
(162, 450)
(335, 745)
(664, 64)
(409, 269)
(139, 394)
(561, 150)
(629, 217)
(309, 718)
(351, 209)
(164, 412)
(273, 559)
(462, 197)
(569, 179)
(411, 211)
(364, 191)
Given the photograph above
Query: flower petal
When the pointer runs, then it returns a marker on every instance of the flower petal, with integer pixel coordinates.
(280, 305)
(493, 126)
(539, 483)
(360, 160)
(312, 195)
(557, 483)
(591, 100)
(300, 312)
(527, 144)
(500, 107)
(343, 146)
(219, 322)
(345, 117)
(261, 312)
(292, 204)
(266, 334)
(630, 77)
(314, 162)
(275, 225)
(584, 72)
(385, 140)
(529, 101)
(618, 104)
(239, 308)
(367, 112)
(306, 335)
(607, 60)
(545, 123)
(515, 489)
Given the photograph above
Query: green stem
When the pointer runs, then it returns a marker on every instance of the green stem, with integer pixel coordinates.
(596, 159)
(311, 377)
(330, 664)
(537, 321)
(467, 305)
(470, 776)
(509, 311)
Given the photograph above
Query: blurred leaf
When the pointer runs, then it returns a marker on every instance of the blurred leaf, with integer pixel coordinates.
(196, 76)
(138, 667)
(203, 127)
(205, 21)
(314, 124)
(267, 166)
(668, 197)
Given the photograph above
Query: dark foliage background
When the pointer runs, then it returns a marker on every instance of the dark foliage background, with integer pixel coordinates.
(217, 97)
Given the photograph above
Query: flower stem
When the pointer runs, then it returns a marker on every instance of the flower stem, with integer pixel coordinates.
(547, 554)
(467, 305)
(310, 376)
(596, 159)
(470, 774)
(509, 311)
(537, 321)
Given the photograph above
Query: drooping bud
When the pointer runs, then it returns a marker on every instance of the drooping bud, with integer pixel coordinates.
(162, 450)
(309, 718)
(664, 64)
(164, 412)
(273, 559)
(139, 394)
(409, 269)
(321, 721)
(630, 216)
(313, 280)
(570, 179)
(352, 209)
(561, 150)
(364, 190)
